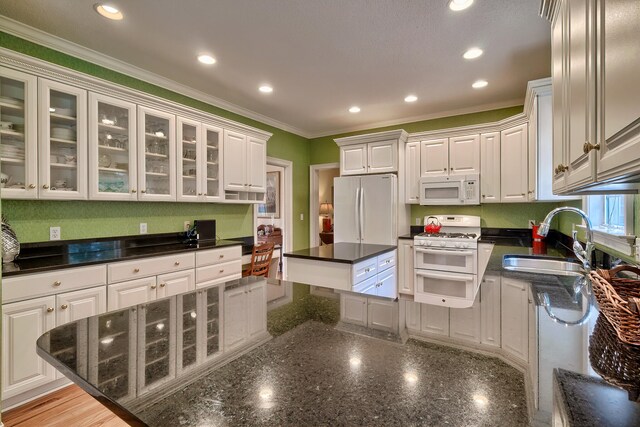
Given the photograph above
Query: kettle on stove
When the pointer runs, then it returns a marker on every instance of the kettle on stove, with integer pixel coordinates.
(432, 226)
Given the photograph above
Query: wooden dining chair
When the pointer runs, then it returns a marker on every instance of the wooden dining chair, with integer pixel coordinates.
(260, 260)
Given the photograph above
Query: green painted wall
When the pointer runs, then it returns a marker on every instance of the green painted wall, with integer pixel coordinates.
(33, 218)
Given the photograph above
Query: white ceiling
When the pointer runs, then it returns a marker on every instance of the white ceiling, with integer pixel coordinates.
(321, 56)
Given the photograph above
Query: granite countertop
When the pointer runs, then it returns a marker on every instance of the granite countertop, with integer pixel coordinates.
(83, 253)
(344, 253)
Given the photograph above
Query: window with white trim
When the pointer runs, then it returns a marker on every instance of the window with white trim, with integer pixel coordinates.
(612, 217)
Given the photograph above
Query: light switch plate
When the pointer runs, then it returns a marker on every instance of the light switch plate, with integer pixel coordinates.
(54, 233)
(143, 228)
(418, 221)
(301, 217)
(186, 226)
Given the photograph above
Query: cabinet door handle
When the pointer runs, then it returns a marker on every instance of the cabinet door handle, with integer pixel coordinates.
(587, 147)
(143, 191)
(484, 196)
(134, 190)
(45, 186)
(221, 256)
(222, 270)
(153, 286)
(32, 186)
(176, 263)
(64, 306)
(136, 270)
(162, 285)
(50, 309)
(57, 283)
(522, 194)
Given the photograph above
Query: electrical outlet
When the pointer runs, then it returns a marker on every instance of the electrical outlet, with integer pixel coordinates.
(54, 233)
(532, 222)
(143, 228)
(301, 217)
(187, 225)
(418, 222)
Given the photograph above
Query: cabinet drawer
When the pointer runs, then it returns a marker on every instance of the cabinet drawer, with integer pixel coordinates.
(217, 256)
(364, 269)
(368, 286)
(50, 283)
(218, 271)
(386, 261)
(128, 270)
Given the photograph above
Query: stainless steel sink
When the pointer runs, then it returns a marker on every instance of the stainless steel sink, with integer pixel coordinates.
(543, 265)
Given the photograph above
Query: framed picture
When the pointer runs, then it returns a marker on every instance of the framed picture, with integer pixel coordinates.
(271, 207)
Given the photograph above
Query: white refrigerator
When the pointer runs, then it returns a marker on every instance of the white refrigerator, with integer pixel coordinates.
(365, 209)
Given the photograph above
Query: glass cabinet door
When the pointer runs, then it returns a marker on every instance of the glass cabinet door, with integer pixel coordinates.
(188, 329)
(112, 353)
(18, 135)
(157, 341)
(156, 155)
(189, 162)
(112, 149)
(211, 163)
(212, 320)
(63, 141)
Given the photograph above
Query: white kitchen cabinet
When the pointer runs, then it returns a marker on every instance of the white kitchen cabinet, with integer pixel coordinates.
(405, 267)
(558, 61)
(76, 305)
(382, 315)
(382, 157)
(130, 293)
(412, 315)
(434, 157)
(353, 159)
(533, 349)
(156, 155)
(257, 310)
(19, 152)
(490, 167)
(353, 309)
(22, 324)
(490, 310)
(112, 149)
(256, 164)
(175, 283)
(412, 172)
(212, 329)
(62, 149)
(434, 319)
(190, 167)
(212, 163)
(464, 155)
(464, 323)
(515, 318)
(386, 284)
(514, 170)
(156, 345)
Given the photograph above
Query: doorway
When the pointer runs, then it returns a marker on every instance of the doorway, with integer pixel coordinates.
(273, 221)
(321, 198)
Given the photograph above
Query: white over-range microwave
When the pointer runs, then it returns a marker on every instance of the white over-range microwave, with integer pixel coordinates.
(450, 190)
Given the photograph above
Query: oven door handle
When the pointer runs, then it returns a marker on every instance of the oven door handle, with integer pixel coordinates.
(444, 251)
(435, 275)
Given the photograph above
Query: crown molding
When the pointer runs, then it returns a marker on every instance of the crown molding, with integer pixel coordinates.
(431, 116)
(42, 38)
(399, 134)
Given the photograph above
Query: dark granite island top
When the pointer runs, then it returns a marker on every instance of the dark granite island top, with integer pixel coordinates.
(345, 253)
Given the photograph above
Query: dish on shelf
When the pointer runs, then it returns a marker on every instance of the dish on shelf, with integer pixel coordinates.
(11, 101)
(63, 111)
(63, 132)
(104, 161)
(6, 125)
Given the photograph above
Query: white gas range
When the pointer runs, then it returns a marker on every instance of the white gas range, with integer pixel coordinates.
(449, 265)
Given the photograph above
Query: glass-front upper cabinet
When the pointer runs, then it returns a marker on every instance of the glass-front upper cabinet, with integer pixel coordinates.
(156, 155)
(112, 149)
(18, 135)
(189, 161)
(63, 141)
(211, 163)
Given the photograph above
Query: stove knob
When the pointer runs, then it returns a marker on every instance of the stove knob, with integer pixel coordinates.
(428, 243)
(443, 243)
(458, 245)
(465, 245)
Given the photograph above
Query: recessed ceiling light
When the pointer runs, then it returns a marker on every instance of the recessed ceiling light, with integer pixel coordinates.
(479, 84)
(354, 109)
(108, 11)
(207, 59)
(265, 89)
(473, 53)
(458, 5)
(410, 98)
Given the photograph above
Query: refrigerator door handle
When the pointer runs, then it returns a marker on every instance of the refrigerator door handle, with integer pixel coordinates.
(361, 214)
(357, 211)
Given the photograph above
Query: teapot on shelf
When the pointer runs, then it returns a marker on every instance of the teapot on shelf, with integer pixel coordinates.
(432, 226)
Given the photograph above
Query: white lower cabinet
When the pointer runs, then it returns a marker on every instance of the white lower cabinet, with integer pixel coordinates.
(371, 312)
(434, 319)
(490, 311)
(464, 323)
(245, 315)
(22, 324)
(72, 306)
(412, 313)
(133, 292)
(353, 309)
(515, 318)
(176, 283)
(405, 267)
(382, 314)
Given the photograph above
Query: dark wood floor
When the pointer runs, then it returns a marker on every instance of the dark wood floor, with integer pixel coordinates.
(67, 407)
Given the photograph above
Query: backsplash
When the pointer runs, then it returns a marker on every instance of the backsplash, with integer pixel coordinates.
(81, 219)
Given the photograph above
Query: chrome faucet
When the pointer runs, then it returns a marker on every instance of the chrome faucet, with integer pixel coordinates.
(583, 254)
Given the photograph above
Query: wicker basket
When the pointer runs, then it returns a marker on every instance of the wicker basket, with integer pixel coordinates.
(619, 301)
(616, 362)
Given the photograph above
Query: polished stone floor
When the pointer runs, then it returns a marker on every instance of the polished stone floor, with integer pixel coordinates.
(315, 375)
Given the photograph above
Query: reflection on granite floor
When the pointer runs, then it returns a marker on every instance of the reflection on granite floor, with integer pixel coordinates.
(316, 375)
